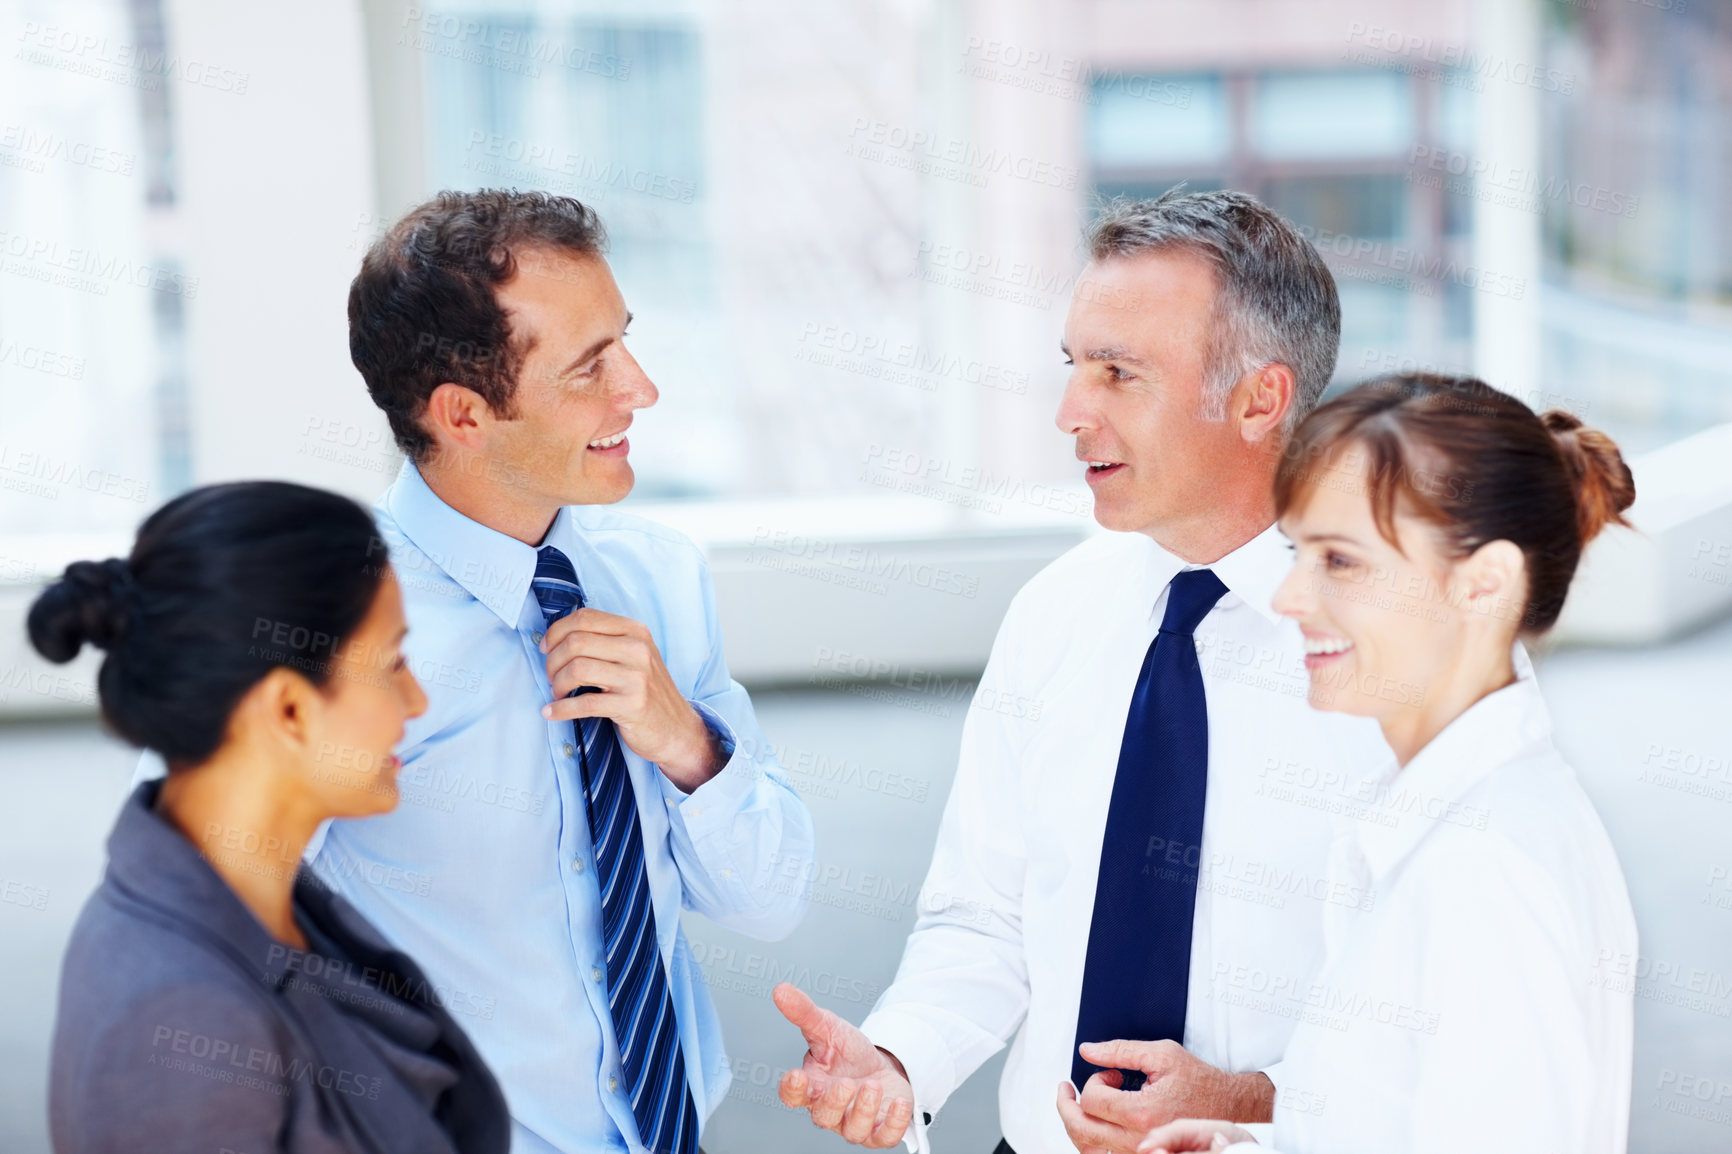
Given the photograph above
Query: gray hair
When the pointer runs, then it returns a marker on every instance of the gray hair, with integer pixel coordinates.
(1276, 302)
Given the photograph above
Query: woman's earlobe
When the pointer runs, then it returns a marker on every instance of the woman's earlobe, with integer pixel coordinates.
(1495, 574)
(285, 705)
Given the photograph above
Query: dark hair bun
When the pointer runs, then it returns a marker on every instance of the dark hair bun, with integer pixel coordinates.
(90, 603)
(1604, 486)
(214, 575)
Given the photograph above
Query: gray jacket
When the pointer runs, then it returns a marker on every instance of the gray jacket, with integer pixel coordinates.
(184, 1026)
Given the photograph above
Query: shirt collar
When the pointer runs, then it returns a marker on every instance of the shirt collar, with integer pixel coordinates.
(1410, 800)
(1252, 572)
(1255, 570)
(496, 569)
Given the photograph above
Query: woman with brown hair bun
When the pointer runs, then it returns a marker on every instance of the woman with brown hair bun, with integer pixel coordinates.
(1480, 1002)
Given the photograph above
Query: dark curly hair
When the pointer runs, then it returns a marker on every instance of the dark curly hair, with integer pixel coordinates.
(422, 310)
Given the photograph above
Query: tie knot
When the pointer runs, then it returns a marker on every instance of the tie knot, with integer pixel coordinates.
(555, 584)
(1189, 598)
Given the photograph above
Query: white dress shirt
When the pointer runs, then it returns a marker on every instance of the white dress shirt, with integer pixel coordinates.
(1480, 1004)
(1002, 934)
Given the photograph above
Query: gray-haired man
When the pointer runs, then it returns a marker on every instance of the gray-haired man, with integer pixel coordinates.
(1144, 865)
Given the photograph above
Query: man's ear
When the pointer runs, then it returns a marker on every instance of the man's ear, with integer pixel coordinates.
(456, 415)
(1265, 397)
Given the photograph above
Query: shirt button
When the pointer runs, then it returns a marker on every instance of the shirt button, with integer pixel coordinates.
(695, 811)
(569, 749)
(612, 1083)
(538, 637)
(727, 873)
(595, 973)
(577, 865)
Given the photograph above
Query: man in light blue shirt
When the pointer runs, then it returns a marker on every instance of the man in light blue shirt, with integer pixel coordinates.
(511, 394)
(489, 328)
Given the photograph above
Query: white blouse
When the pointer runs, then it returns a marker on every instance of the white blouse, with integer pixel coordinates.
(1479, 1002)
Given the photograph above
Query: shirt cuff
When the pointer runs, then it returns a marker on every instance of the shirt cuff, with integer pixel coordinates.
(914, 1138)
(724, 793)
(718, 726)
(1277, 1075)
(923, 1054)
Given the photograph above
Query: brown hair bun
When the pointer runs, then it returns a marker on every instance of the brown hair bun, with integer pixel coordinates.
(1604, 486)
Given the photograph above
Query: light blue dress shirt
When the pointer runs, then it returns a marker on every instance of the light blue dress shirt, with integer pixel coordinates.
(483, 872)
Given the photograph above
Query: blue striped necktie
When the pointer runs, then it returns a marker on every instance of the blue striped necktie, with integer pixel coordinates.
(1136, 975)
(637, 989)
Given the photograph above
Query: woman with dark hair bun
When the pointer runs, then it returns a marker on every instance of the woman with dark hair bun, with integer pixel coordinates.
(1481, 1000)
(215, 995)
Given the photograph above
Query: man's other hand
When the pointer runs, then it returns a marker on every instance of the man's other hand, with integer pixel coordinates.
(1107, 1117)
(850, 1086)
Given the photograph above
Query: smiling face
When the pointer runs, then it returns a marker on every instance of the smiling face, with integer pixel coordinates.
(577, 386)
(1137, 337)
(353, 730)
(1384, 627)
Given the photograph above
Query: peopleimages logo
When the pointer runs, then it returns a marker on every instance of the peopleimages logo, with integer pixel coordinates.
(838, 346)
(1510, 185)
(1406, 261)
(44, 146)
(56, 474)
(967, 156)
(970, 485)
(506, 45)
(494, 155)
(1415, 51)
(87, 269)
(867, 561)
(40, 360)
(72, 50)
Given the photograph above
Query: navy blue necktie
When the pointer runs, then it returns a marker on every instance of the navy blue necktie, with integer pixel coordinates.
(1138, 969)
(637, 989)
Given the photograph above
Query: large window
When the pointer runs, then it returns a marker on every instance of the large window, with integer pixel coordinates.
(608, 109)
(778, 182)
(89, 310)
(1636, 180)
